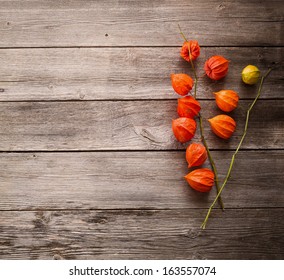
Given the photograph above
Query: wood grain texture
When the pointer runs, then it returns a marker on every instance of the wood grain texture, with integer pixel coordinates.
(126, 125)
(89, 165)
(147, 23)
(125, 73)
(143, 234)
(107, 180)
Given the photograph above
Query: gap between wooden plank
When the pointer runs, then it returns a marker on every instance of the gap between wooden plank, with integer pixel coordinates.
(181, 150)
(142, 46)
(115, 210)
(129, 100)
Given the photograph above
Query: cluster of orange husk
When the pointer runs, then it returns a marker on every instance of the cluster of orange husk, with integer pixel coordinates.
(188, 109)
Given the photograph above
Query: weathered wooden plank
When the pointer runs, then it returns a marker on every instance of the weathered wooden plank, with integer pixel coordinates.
(144, 234)
(151, 23)
(107, 180)
(124, 73)
(125, 125)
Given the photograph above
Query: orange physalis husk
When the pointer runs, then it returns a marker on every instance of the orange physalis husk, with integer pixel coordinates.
(216, 67)
(201, 180)
(196, 154)
(182, 83)
(184, 129)
(226, 100)
(223, 126)
(190, 50)
(188, 107)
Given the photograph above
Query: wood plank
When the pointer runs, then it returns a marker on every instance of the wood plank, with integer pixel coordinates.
(144, 234)
(127, 125)
(125, 73)
(151, 23)
(107, 180)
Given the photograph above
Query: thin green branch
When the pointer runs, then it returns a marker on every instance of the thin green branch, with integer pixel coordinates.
(181, 33)
(204, 140)
(203, 226)
(195, 76)
(211, 160)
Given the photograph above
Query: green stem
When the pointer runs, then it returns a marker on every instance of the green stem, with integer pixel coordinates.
(205, 142)
(181, 33)
(195, 76)
(211, 160)
(203, 226)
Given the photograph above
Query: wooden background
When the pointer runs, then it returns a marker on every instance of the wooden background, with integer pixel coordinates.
(89, 166)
